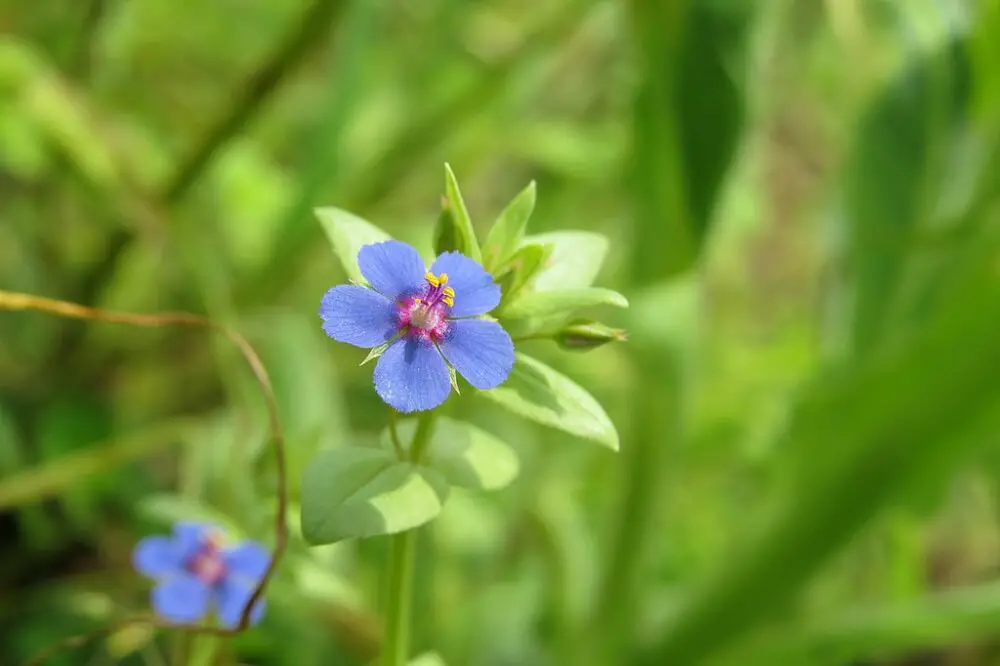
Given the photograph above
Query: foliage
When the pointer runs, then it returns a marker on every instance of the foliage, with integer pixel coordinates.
(797, 203)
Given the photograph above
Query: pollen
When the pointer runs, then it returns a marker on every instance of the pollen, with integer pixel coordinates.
(448, 294)
(436, 280)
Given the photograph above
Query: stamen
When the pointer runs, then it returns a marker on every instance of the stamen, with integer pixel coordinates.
(448, 294)
(432, 279)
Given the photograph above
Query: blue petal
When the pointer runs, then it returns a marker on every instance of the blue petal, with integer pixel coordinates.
(190, 536)
(182, 599)
(358, 316)
(249, 560)
(232, 598)
(411, 376)
(480, 350)
(475, 291)
(393, 268)
(157, 556)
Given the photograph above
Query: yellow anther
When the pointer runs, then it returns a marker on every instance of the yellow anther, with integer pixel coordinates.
(448, 291)
(443, 278)
(449, 300)
(432, 279)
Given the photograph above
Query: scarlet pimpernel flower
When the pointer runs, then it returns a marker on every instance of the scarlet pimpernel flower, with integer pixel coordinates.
(429, 318)
(197, 574)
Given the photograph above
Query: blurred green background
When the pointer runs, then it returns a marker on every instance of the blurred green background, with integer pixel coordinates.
(800, 199)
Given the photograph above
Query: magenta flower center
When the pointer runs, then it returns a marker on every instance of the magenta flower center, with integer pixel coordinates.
(207, 564)
(425, 315)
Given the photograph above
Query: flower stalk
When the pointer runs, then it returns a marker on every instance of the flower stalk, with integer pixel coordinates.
(402, 549)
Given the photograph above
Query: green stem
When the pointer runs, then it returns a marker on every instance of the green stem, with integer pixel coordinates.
(422, 437)
(397, 633)
(204, 650)
(180, 649)
(395, 649)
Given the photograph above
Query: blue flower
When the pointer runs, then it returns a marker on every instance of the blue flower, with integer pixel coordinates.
(429, 317)
(195, 573)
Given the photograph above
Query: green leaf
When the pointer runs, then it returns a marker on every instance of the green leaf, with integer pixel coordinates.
(575, 260)
(539, 393)
(348, 233)
(465, 235)
(360, 492)
(445, 236)
(890, 181)
(542, 303)
(465, 455)
(506, 233)
(520, 268)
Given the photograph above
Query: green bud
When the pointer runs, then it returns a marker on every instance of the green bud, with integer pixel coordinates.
(584, 334)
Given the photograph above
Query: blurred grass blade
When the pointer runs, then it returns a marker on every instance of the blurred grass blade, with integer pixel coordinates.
(323, 168)
(959, 616)
(893, 182)
(41, 483)
(688, 117)
(905, 410)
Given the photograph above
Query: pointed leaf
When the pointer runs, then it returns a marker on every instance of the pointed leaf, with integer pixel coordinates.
(348, 233)
(375, 352)
(539, 393)
(575, 260)
(465, 235)
(359, 492)
(445, 236)
(508, 230)
(518, 271)
(542, 303)
(466, 456)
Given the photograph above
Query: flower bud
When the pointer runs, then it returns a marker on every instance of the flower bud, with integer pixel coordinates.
(584, 334)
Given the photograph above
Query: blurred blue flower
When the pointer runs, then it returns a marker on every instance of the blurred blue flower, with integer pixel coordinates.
(430, 318)
(195, 573)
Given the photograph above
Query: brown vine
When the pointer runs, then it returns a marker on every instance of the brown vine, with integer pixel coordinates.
(19, 301)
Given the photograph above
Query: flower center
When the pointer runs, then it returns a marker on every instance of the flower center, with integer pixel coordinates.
(207, 564)
(426, 315)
